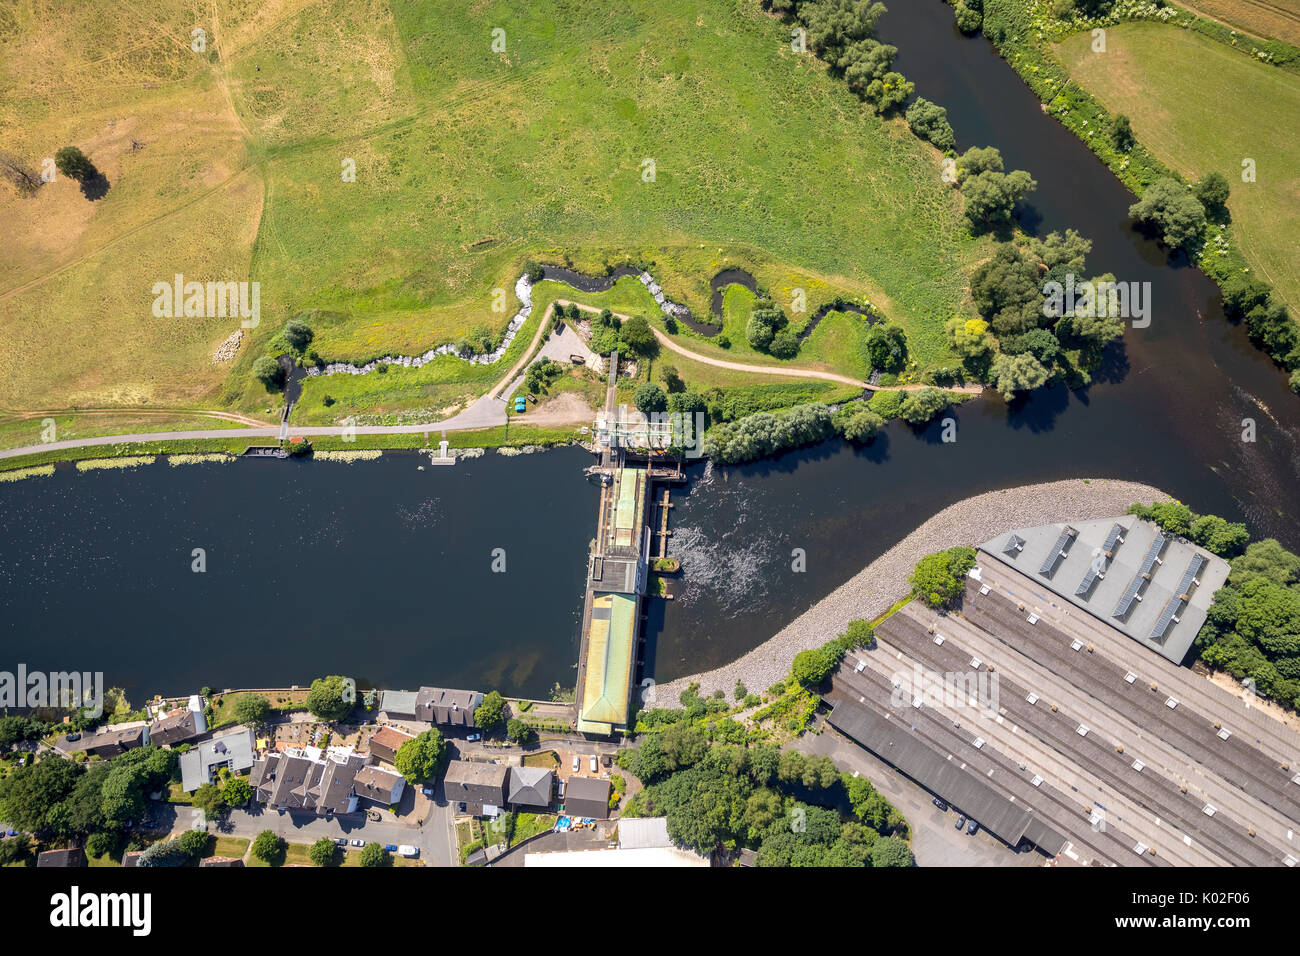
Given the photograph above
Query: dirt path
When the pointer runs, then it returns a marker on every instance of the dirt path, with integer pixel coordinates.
(510, 376)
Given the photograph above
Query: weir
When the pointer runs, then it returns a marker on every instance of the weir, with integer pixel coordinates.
(618, 567)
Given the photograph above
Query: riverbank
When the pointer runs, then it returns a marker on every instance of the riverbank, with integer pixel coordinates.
(873, 590)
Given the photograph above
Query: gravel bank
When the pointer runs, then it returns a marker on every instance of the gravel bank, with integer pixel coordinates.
(871, 591)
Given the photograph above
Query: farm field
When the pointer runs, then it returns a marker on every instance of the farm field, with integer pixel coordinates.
(1266, 18)
(227, 165)
(1206, 119)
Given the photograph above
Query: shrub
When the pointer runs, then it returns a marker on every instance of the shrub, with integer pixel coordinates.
(649, 398)
(939, 579)
(930, 122)
(298, 334)
(268, 371)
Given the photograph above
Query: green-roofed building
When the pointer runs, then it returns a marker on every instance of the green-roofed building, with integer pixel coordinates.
(611, 653)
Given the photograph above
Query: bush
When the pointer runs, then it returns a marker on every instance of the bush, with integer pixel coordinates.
(886, 347)
(918, 407)
(858, 423)
(194, 843)
(785, 345)
(326, 699)
(372, 854)
(812, 666)
(298, 334)
(1169, 207)
(939, 579)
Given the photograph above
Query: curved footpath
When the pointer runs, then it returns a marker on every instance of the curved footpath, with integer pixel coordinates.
(874, 589)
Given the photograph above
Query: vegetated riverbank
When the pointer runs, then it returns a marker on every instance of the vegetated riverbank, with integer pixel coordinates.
(1023, 33)
(873, 590)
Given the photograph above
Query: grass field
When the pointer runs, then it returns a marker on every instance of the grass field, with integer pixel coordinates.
(1200, 107)
(1265, 18)
(226, 165)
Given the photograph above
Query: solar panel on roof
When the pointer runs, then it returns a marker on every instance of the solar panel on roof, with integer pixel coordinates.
(1113, 540)
(1169, 616)
(1015, 544)
(1058, 551)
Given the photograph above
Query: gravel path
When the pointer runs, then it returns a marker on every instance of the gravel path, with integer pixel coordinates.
(872, 591)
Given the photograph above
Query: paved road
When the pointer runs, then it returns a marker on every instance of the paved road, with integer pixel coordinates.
(935, 839)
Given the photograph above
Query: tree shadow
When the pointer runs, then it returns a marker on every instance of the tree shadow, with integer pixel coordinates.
(95, 186)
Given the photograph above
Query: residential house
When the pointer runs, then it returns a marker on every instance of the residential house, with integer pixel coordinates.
(63, 858)
(385, 743)
(397, 705)
(530, 787)
(179, 725)
(231, 750)
(480, 786)
(107, 742)
(308, 778)
(221, 861)
(384, 787)
(587, 797)
(453, 708)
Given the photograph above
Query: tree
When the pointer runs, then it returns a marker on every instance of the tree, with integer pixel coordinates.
(1212, 193)
(939, 579)
(373, 854)
(919, 406)
(322, 852)
(268, 371)
(74, 164)
(30, 796)
(672, 382)
(785, 345)
(491, 712)
(891, 851)
(1040, 343)
(1168, 206)
(858, 423)
(991, 197)
(194, 843)
(649, 398)
(518, 731)
(637, 336)
(970, 338)
(420, 758)
(758, 333)
(330, 698)
(811, 667)
(886, 346)
(1017, 373)
(268, 847)
(1215, 534)
(164, 853)
(19, 174)
(930, 122)
(208, 799)
(251, 709)
(969, 16)
(1121, 133)
(891, 90)
(298, 334)
(237, 792)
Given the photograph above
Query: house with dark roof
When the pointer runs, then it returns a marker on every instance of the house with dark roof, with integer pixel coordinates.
(108, 742)
(385, 743)
(384, 787)
(62, 858)
(221, 861)
(530, 787)
(308, 778)
(480, 786)
(178, 726)
(452, 708)
(131, 858)
(587, 797)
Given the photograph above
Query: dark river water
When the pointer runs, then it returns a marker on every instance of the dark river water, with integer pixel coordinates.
(383, 571)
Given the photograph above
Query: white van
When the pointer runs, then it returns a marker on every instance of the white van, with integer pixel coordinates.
(595, 767)
(577, 763)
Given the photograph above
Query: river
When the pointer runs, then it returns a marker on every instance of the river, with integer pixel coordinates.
(382, 571)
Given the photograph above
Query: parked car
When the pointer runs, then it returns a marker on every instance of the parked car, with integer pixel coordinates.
(460, 808)
(940, 804)
(577, 763)
(72, 737)
(340, 841)
(607, 760)
(594, 765)
(427, 791)
(358, 842)
(473, 737)
(391, 847)
(972, 827)
(577, 359)
(961, 821)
